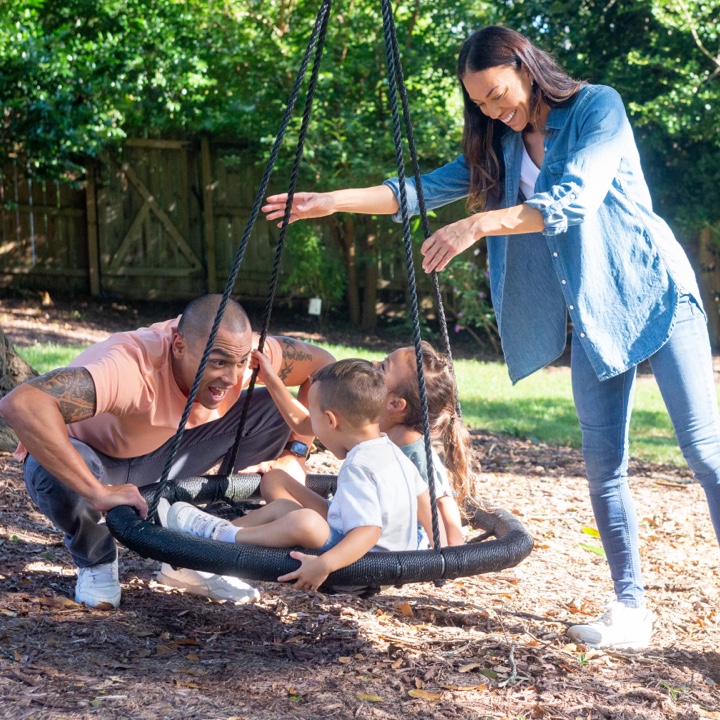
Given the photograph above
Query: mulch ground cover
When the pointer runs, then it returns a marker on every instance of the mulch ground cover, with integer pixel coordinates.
(492, 646)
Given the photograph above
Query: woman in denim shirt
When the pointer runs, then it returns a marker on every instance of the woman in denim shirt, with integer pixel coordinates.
(554, 181)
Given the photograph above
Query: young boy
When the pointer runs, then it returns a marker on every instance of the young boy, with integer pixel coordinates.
(380, 495)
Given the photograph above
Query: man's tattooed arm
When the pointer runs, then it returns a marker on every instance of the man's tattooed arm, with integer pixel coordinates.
(293, 352)
(73, 389)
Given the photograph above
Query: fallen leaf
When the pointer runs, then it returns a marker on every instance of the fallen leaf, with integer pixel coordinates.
(703, 713)
(369, 697)
(184, 642)
(192, 657)
(465, 688)
(424, 695)
(469, 667)
(344, 660)
(397, 663)
(162, 650)
(593, 548)
(405, 609)
(592, 532)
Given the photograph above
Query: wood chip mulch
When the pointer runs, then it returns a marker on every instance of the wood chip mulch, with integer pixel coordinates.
(486, 647)
(491, 646)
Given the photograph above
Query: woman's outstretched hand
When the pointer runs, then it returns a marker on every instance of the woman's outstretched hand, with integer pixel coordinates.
(305, 205)
(442, 246)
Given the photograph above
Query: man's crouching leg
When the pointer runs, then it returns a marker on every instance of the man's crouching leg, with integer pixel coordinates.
(91, 545)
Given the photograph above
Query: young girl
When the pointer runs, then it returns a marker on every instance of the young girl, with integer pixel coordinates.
(401, 420)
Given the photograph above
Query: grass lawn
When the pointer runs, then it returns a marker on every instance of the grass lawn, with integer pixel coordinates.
(539, 408)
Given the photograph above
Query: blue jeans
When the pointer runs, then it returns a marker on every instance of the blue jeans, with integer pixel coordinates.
(684, 374)
(89, 543)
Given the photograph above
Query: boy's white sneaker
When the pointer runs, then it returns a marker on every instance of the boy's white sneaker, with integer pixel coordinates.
(98, 586)
(206, 584)
(186, 518)
(619, 627)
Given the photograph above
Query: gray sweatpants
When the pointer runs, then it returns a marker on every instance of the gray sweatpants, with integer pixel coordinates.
(264, 437)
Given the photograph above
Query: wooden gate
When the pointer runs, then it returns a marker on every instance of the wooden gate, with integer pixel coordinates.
(170, 215)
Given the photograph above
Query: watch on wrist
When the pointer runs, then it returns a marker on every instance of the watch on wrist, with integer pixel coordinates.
(298, 448)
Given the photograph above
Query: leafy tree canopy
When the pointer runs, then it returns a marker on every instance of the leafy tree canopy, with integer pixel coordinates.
(78, 75)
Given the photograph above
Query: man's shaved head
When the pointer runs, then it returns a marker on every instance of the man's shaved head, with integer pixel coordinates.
(198, 318)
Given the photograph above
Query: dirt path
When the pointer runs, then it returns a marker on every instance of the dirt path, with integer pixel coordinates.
(491, 646)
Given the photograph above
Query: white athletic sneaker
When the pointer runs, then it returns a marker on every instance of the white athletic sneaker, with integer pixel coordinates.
(98, 586)
(217, 587)
(187, 518)
(620, 627)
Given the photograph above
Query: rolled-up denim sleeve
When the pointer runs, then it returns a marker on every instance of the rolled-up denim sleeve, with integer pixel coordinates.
(440, 187)
(582, 180)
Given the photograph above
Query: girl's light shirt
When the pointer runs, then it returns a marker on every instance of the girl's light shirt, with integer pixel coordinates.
(604, 255)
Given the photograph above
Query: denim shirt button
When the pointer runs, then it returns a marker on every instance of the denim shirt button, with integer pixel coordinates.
(563, 282)
(555, 254)
(582, 334)
(572, 307)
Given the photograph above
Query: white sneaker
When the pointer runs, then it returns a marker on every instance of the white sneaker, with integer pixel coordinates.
(217, 587)
(187, 518)
(98, 586)
(620, 627)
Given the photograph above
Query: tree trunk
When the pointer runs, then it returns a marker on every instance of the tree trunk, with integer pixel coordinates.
(13, 371)
(345, 236)
(369, 311)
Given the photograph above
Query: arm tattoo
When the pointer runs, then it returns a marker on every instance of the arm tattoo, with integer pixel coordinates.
(73, 389)
(291, 354)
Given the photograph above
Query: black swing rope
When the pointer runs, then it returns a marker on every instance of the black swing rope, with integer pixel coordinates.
(320, 23)
(393, 75)
(252, 562)
(229, 462)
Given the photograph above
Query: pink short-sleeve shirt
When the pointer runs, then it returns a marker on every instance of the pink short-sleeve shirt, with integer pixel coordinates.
(139, 404)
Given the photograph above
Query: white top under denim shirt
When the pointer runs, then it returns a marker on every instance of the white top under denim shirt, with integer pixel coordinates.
(604, 255)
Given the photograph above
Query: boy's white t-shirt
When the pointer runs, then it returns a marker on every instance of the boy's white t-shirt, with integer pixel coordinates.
(377, 485)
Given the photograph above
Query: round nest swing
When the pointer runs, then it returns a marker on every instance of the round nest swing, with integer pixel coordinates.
(511, 543)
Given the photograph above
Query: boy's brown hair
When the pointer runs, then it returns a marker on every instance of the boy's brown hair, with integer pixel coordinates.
(352, 388)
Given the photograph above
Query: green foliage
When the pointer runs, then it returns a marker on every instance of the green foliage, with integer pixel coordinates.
(468, 285)
(663, 58)
(313, 270)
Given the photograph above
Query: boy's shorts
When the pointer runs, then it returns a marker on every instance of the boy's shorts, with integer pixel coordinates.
(333, 539)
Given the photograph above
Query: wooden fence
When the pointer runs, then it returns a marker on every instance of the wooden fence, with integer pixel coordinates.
(162, 220)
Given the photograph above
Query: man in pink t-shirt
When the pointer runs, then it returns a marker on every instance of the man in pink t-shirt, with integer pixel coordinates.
(95, 431)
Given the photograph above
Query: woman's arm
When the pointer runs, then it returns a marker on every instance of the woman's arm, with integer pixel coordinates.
(377, 200)
(442, 246)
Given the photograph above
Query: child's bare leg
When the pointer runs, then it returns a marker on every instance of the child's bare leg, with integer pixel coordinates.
(302, 527)
(267, 513)
(277, 484)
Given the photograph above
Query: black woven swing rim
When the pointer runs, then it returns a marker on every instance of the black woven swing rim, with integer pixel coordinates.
(511, 545)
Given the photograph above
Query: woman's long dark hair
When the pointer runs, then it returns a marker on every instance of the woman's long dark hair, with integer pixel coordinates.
(495, 46)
